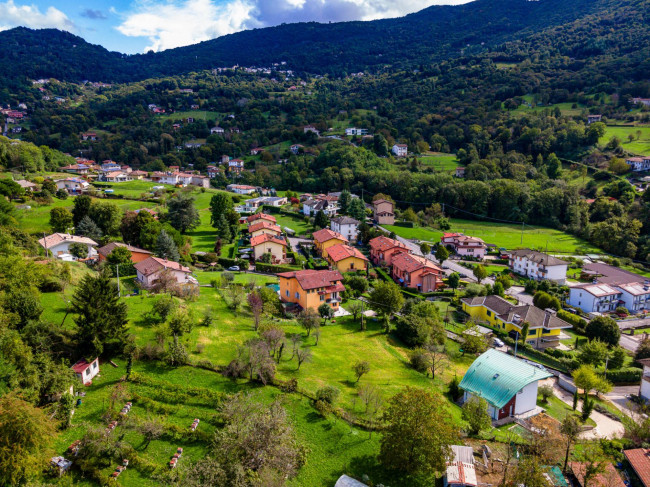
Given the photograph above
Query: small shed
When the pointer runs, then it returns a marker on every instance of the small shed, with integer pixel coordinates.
(85, 371)
(345, 481)
(60, 465)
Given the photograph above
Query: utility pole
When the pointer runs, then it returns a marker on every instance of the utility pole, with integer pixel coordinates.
(522, 233)
(47, 251)
(516, 342)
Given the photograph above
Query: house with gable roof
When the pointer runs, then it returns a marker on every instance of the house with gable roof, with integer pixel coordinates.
(325, 238)
(346, 258)
(310, 288)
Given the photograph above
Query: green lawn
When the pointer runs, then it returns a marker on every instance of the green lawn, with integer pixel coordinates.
(640, 146)
(439, 161)
(502, 235)
(197, 114)
(295, 223)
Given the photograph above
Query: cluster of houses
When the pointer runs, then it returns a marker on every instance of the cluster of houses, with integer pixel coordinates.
(464, 246)
(638, 164)
(337, 251)
(266, 238)
(406, 268)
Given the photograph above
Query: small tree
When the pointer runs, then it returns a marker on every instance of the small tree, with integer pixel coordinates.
(570, 429)
(387, 298)
(309, 320)
(326, 312)
(425, 248)
(78, 250)
(321, 220)
(475, 412)
(354, 308)
(257, 307)
(166, 247)
(546, 392)
(479, 273)
(303, 355)
(360, 369)
(605, 329)
(60, 220)
(593, 353)
(454, 281)
(524, 331)
(328, 394)
(442, 254)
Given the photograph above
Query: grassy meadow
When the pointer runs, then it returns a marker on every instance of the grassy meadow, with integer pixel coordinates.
(639, 145)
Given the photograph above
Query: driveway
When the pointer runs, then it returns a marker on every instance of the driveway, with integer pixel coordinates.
(630, 343)
(618, 397)
(605, 427)
(520, 294)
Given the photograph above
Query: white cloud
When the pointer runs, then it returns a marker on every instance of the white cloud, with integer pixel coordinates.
(174, 23)
(12, 15)
(171, 24)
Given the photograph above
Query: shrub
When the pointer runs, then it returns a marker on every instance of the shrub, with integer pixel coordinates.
(328, 394)
(272, 269)
(629, 375)
(546, 392)
(418, 360)
(225, 262)
(578, 323)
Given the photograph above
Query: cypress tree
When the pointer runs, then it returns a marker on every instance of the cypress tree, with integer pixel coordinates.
(166, 247)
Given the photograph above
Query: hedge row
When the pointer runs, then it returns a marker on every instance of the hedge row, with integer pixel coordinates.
(225, 262)
(405, 224)
(629, 375)
(578, 323)
(272, 269)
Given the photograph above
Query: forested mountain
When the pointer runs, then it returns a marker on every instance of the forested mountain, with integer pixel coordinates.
(425, 37)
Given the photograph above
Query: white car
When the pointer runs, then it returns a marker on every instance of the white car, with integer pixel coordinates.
(233, 268)
(498, 342)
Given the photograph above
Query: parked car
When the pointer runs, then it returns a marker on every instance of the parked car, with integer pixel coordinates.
(497, 342)
(445, 266)
(233, 268)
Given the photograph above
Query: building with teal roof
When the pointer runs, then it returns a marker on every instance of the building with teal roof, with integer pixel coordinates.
(507, 384)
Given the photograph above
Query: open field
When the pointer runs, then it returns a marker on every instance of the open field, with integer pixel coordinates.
(640, 146)
(197, 114)
(502, 235)
(439, 161)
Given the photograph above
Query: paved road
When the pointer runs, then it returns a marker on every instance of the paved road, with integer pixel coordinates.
(618, 397)
(630, 343)
(626, 324)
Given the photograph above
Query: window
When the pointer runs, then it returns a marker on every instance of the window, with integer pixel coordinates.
(287, 291)
(545, 331)
(322, 297)
(532, 332)
(489, 313)
(94, 365)
(88, 371)
(297, 295)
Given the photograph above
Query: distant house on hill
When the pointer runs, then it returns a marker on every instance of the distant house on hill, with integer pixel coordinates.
(137, 255)
(538, 265)
(383, 212)
(58, 245)
(593, 119)
(400, 150)
(149, 272)
(85, 371)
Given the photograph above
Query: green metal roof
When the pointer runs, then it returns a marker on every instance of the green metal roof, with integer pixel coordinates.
(496, 377)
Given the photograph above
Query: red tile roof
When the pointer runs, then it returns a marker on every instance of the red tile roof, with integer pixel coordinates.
(382, 244)
(263, 224)
(155, 264)
(81, 365)
(639, 458)
(263, 216)
(108, 248)
(312, 279)
(377, 202)
(265, 237)
(326, 234)
(410, 263)
(339, 252)
(609, 478)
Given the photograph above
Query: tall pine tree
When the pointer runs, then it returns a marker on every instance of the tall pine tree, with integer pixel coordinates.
(166, 247)
(101, 316)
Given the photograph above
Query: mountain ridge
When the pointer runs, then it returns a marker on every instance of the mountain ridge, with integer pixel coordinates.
(431, 35)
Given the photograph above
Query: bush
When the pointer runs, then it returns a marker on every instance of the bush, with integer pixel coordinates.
(546, 392)
(418, 360)
(578, 323)
(328, 394)
(629, 375)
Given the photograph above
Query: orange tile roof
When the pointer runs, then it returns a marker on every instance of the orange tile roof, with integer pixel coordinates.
(339, 252)
(263, 216)
(609, 478)
(263, 224)
(265, 237)
(326, 234)
(382, 243)
(639, 458)
(410, 263)
(108, 248)
(312, 279)
(155, 264)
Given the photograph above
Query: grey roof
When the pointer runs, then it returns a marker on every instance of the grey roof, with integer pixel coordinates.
(345, 220)
(463, 454)
(506, 311)
(316, 204)
(345, 481)
(609, 274)
(539, 257)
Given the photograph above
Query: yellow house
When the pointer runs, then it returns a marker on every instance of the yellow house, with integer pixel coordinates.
(311, 288)
(544, 326)
(346, 258)
(269, 244)
(261, 227)
(325, 238)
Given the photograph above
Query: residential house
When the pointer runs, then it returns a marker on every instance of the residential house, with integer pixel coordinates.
(148, 272)
(639, 460)
(310, 128)
(295, 148)
(115, 177)
(110, 166)
(593, 119)
(266, 243)
(638, 164)
(262, 217)
(325, 238)
(346, 226)
(224, 159)
(75, 168)
(138, 174)
(590, 298)
(200, 181)
(634, 289)
(137, 255)
(235, 166)
(352, 131)
(544, 326)
(89, 136)
(538, 266)
(72, 185)
(256, 150)
(346, 258)
(608, 478)
(400, 150)
(641, 101)
(213, 171)
(508, 385)
(241, 188)
(460, 172)
(85, 371)
(416, 272)
(383, 249)
(58, 245)
(311, 288)
(262, 227)
(383, 212)
(313, 206)
(465, 246)
(28, 186)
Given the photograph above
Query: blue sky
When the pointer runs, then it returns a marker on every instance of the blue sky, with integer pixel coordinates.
(133, 26)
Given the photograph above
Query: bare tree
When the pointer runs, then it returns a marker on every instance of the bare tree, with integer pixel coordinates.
(436, 358)
(373, 400)
(303, 355)
(317, 335)
(151, 430)
(360, 368)
(296, 338)
(257, 307)
(274, 338)
(233, 295)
